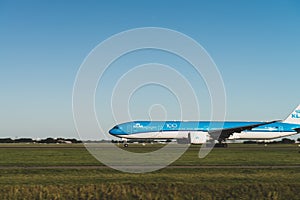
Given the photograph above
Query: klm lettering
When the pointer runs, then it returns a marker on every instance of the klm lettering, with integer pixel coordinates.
(296, 114)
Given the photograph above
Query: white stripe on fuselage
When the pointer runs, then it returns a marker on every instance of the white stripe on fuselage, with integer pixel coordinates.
(254, 135)
(157, 135)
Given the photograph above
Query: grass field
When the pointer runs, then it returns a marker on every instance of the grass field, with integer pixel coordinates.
(169, 183)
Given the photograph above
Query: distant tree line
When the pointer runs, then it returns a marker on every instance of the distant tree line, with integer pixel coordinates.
(73, 140)
(42, 141)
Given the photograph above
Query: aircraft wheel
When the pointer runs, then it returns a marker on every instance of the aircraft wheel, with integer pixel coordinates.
(125, 145)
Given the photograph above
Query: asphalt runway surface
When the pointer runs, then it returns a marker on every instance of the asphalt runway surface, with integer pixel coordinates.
(167, 167)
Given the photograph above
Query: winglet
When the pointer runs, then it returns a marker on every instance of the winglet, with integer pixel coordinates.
(294, 117)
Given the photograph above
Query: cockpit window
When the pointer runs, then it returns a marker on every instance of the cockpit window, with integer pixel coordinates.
(116, 127)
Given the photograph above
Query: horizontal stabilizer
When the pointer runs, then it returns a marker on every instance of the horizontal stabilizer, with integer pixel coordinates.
(297, 130)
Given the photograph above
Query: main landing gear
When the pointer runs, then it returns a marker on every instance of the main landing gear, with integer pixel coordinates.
(221, 143)
(213, 143)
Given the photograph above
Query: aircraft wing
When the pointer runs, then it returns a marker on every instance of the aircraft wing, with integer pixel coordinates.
(222, 134)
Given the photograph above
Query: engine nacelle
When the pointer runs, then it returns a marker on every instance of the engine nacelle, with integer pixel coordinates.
(198, 137)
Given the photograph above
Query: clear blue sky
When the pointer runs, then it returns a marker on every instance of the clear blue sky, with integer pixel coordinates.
(255, 44)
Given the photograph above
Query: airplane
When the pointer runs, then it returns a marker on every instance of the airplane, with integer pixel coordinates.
(199, 132)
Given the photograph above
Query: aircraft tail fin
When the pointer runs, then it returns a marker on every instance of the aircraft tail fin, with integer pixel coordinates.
(294, 117)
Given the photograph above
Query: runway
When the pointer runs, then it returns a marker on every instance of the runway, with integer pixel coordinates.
(167, 167)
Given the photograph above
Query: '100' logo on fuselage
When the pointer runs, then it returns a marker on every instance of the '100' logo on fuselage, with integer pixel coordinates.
(172, 125)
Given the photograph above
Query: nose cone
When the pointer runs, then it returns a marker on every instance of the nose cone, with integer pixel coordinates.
(115, 131)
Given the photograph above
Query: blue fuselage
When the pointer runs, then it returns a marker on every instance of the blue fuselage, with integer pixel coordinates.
(139, 129)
